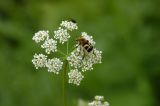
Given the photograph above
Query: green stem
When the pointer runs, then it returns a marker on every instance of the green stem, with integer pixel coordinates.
(67, 46)
(61, 52)
(65, 83)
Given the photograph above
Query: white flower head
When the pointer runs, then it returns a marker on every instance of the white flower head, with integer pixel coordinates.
(87, 64)
(99, 98)
(54, 65)
(50, 45)
(95, 103)
(81, 59)
(40, 36)
(91, 59)
(106, 103)
(69, 25)
(75, 59)
(39, 60)
(62, 35)
(88, 37)
(99, 101)
(78, 59)
(75, 76)
(97, 56)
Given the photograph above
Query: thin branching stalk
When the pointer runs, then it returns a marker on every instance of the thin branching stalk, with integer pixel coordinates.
(65, 83)
(61, 53)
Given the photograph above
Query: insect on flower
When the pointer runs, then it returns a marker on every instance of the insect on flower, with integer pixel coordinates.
(85, 44)
(81, 59)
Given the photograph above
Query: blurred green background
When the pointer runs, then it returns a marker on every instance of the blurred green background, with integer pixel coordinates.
(127, 31)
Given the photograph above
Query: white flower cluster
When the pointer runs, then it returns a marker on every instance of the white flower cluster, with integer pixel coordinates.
(62, 32)
(62, 35)
(75, 59)
(99, 101)
(39, 60)
(85, 61)
(54, 65)
(80, 60)
(91, 59)
(75, 77)
(69, 25)
(50, 45)
(88, 37)
(40, 36)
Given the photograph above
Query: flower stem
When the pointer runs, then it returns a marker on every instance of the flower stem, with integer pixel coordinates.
(67, 46)
(65, 83)
(61, 52)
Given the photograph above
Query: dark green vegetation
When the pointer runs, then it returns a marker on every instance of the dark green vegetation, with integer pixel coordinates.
(127, 31)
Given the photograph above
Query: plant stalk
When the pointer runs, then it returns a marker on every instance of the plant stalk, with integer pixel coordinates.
(64, 86)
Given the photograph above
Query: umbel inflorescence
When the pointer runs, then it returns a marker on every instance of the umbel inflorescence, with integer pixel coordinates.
(98, 101)
(80, 59)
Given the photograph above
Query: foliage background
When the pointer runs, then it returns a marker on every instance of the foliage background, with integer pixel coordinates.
(127, 31)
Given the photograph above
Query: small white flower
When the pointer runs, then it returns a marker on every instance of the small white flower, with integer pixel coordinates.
(75, 59)
(91, 59)
(39, 60)
(75, 76)
(99, 101)
(106, 103)
(62, 35)
(40, 36)
(69, 25)
(95, 103)
(99, 98)
(88, 62)
(78, 59)
(91, 104)
(50, 45)
(88, 37)
(54, 65)
(97, 56)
